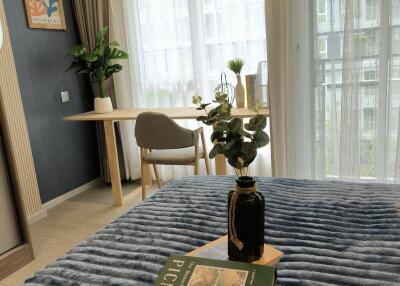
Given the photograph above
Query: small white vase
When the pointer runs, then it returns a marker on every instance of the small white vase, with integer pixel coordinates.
(239, 92)
(103, 105)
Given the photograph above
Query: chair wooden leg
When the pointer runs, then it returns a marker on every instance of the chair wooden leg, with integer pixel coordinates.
(196, 160)
(207, 165)
(142, 172)
(159, 182)
(143, 186)
(205, 155)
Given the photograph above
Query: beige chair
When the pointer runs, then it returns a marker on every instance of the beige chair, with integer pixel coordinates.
(163, 142)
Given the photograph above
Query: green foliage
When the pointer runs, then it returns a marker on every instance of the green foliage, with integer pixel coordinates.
(98, 63)
(236, 65)
(236, 142)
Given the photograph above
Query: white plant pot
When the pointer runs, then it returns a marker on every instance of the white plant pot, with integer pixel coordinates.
(103, 105)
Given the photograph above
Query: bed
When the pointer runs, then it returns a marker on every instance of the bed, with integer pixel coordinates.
(332, 233)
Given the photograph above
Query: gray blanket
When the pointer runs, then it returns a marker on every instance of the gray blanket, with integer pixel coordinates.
(331, 233)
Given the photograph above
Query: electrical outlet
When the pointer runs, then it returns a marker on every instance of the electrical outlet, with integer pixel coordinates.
(64, 96)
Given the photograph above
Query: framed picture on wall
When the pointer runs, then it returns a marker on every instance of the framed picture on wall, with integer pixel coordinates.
(45, 14)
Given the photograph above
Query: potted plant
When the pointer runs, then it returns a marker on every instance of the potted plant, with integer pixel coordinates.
(239, 144)
(98, 65)
(236, 66)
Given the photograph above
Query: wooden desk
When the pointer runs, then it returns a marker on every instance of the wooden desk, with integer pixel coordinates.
(131, 114)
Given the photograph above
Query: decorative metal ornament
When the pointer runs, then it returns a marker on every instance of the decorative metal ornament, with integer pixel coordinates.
(226, 88)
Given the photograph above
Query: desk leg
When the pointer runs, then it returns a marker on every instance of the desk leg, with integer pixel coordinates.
(220, 165)
(112, 155)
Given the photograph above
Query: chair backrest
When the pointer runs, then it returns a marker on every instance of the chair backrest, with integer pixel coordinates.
(157, 131)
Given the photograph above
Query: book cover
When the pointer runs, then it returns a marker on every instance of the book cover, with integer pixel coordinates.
(218, 249)
(195, 271)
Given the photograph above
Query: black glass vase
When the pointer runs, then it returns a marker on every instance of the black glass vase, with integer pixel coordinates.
(245, 221)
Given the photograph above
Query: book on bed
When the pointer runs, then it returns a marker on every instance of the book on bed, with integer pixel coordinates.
(218, 249)
(196, 271)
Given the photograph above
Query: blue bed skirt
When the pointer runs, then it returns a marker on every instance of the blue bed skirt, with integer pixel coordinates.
(332, 233)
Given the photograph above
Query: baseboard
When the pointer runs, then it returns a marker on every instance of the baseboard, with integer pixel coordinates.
(54, 202)
(37, 216)
(71, 194)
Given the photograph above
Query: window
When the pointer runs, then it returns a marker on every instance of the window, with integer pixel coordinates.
(322, 7)
(371, 44)
(209, 23)
(371, 10)
(369, 118)
(361, 70)
(370, 75)
(176, 44)
(395, 72)
(396, 41)
(323, 47)
(396, 11)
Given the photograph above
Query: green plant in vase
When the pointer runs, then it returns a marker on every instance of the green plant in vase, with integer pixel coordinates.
(239, 143)
(98, 64)
(236, 66)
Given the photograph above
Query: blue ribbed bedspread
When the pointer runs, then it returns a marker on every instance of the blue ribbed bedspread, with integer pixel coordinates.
(332, 233)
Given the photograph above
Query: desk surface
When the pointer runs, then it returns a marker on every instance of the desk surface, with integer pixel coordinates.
(174, 113)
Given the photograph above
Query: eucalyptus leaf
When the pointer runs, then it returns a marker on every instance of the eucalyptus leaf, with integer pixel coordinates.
(210, 121)
(204, 105)
(213, 112)
(217, 149)
(237, 142)
(221, 97)
(202, 118)
(249, 159)
(256, 123)
(235, 125)
(230, 145)
(221, 126)
(216, 135)
(197, 99)
(261, 139)
(245, 133)
(235, 163)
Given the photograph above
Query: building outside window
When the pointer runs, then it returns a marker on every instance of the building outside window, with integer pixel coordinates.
(223, 29)
(366, 17)
(323, 47)
(369, 75)
(322, 11)
(371, 10)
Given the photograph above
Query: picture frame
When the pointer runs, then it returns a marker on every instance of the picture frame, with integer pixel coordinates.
(45, 14)
(251, 90)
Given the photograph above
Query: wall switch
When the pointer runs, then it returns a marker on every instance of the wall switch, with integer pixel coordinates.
(64, 96)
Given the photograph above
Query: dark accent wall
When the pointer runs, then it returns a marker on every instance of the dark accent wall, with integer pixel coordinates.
(65, 153)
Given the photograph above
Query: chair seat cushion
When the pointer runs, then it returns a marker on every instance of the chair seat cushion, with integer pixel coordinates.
(180, 156)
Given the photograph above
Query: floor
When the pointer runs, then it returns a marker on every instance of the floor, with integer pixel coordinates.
(71, 222)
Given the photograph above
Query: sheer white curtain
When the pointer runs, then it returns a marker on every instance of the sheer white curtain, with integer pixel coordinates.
(290, 50)
(178, 48)
(355, 77)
